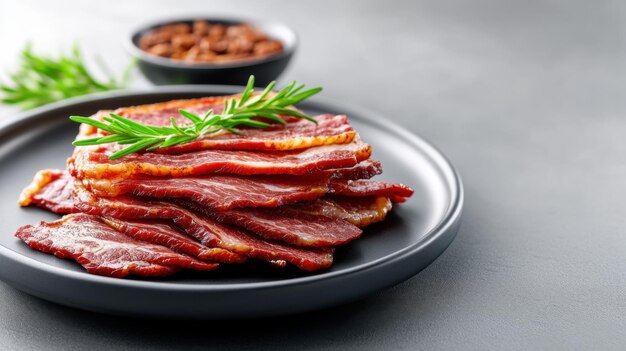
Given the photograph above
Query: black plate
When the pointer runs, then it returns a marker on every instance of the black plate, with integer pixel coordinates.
(412, 236)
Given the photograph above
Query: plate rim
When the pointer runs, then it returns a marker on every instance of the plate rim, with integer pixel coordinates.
(450, 218)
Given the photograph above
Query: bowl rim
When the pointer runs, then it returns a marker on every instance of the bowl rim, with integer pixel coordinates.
(289, 46)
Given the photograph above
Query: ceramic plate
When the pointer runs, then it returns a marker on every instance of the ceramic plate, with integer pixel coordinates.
(413, 235)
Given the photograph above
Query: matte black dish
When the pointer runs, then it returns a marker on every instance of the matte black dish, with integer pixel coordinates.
(161, 71)
(413, 236)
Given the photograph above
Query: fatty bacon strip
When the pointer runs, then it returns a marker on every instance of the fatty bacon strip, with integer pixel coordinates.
(223, 192)
(296, 134)
(94, 162)
(288, 194)
(58, 193)
(103, 250)
(321, 223)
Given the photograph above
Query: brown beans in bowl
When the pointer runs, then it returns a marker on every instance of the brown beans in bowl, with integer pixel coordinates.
(206, 42)
(212, 50)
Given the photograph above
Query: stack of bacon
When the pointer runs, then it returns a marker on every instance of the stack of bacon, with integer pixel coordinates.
(286, 195)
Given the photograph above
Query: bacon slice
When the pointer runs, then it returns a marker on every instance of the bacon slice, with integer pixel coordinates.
(284, 224)
(365, 187)
(160, 114)
(300, 134)
(297, 134)
(225, 192)
(360, 211)
(363, 170)
(50, 189)
(208, 232)
(303, 230)
(54, 190)
(323, 222)
(94, 162)
(102, 250)
(168, 235)
(286, 194)
(307, 259)
(297, 224)
(219, 192)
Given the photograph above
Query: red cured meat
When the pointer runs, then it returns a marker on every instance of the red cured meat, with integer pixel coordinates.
(284, 224)
(300, 134)
(168, 235)
(207, 231)
(160, 114)
(225, 192)
(360, 211)
(303, 219)
(366, 187)
(219, 192)
(94, 162)
(307, 259)
(297, 134)
(320, 223)
(210, 232)
(284, 194)
(364, 170)
(52, 190)
(103, 250)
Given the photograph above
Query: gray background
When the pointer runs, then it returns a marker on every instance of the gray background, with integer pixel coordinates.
(526, 98)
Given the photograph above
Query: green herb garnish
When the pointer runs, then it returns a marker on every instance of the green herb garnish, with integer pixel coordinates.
(247, 109)
(41, 80)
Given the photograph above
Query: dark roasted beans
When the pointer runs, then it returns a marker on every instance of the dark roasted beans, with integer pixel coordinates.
(209, 43)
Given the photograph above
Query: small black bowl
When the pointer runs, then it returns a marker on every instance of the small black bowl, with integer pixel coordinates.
(162, 71)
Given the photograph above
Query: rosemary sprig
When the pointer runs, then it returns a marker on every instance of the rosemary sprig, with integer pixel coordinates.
(41, 80)
(246, 110)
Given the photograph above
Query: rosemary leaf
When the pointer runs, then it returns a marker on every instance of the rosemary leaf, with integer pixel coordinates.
(244, 111)
(41, 80)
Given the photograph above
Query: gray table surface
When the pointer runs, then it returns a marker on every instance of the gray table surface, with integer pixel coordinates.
(527, 99)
